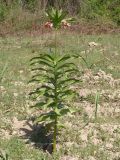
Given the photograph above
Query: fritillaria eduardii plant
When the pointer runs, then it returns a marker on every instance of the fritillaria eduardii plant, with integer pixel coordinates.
(55, 74)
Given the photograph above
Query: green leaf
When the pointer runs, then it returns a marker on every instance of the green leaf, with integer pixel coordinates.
(67, 94)
(46, 58)
(44, 105)
(70, 20)
(42, 77)
(50, 57)
(46, 117)
(47, 87)
(38, 91)
(41, 62)
(45, 70)
(68, 81)
(61, 66)
(60, 125)
(39, 69)
(39, 105)
(43, 91)
(56, 17)
(34, 58)
(42, 118)
(34, 80)
(61, 74)
(57, 111)
(49, 95)
(64, 58)
(39, 79)
(73, 110)
(64, 111)
(55, 74)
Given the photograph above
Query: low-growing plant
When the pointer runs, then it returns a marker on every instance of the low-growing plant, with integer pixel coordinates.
(54, 74)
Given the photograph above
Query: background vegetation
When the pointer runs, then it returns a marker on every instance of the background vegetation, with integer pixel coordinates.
(25, 13)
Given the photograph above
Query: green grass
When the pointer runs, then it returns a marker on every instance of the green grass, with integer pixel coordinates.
(16, 53)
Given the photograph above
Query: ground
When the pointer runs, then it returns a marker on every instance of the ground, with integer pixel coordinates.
(85, 138)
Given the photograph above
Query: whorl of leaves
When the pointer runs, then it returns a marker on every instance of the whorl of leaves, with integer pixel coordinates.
(55, 75)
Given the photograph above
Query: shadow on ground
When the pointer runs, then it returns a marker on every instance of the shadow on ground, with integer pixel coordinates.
(38, 136)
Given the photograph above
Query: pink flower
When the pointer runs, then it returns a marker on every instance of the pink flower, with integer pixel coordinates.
(49, 25)
(65, 24)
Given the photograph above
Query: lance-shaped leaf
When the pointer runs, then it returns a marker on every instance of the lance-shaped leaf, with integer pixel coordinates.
(60, 125)
(39, 69)
(42, 69)
(60, 74)
(68, 110)
(44, 105)
(38, 91)
(43, 77)
(61, 66)
(39, 105)
(67, 94)
(39, 80)
(42, 62)
(46, 117)
(45, 57)
(64, 58)
(70, 20)
(68, 81)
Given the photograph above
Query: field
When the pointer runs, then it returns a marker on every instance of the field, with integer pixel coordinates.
(85, 138)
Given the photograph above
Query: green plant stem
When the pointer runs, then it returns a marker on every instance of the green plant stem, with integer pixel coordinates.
(55, 135)
(55, 41)
(55, 123)
(56, 99)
